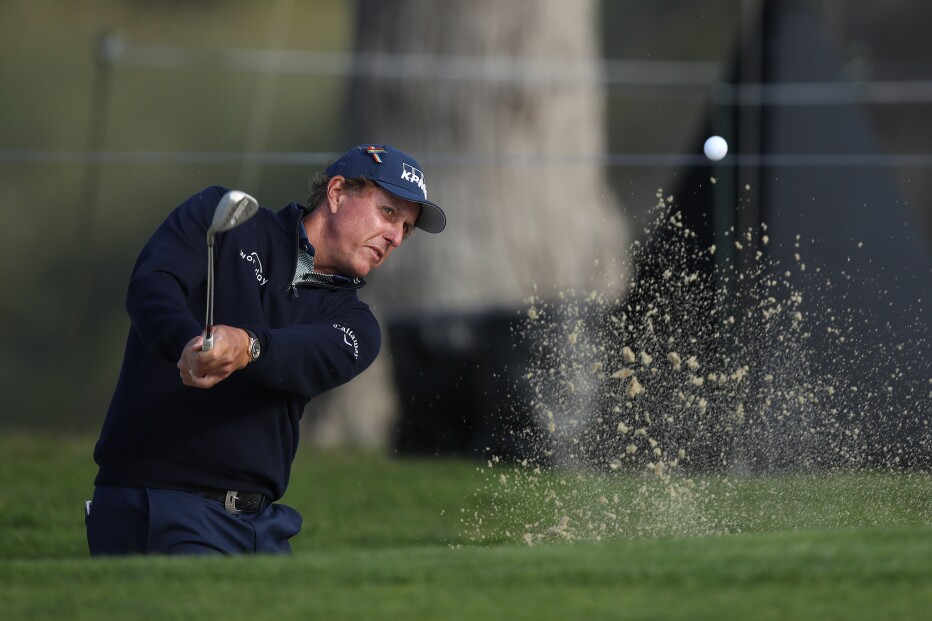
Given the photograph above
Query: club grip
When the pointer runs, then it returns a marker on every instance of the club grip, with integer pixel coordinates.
(208, 343)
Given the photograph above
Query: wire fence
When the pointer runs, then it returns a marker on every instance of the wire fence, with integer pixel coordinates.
(314, 158)
(669, 80)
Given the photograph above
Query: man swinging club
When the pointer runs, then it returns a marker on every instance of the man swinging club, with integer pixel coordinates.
(198, 443)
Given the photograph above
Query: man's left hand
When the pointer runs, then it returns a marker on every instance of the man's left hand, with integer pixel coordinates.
(204, 369)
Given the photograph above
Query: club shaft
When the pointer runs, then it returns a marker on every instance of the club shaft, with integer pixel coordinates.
(209, 323)
(233, 209)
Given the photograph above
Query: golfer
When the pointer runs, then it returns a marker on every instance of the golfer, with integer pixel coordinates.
(197, 445)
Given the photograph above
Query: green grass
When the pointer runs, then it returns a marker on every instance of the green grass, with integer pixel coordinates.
(387, 539)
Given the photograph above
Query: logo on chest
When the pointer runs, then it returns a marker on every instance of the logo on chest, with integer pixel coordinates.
(253, 259)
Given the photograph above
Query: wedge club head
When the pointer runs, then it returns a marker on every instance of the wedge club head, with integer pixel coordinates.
(234, 208)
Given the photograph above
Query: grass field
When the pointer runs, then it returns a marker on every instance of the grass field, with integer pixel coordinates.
(398, 539)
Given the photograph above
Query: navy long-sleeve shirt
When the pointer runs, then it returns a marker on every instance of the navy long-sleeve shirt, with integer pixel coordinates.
(241, 434)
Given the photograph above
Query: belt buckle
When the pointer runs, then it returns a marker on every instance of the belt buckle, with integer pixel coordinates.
(230, 503)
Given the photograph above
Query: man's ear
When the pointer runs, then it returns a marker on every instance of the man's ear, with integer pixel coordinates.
(335, 189)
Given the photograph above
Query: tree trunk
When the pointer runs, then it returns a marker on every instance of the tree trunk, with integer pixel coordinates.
(502, 105)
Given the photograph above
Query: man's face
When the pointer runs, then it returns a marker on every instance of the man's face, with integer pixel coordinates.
(366, 225)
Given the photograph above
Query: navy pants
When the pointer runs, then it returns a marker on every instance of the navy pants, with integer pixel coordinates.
(140, 520)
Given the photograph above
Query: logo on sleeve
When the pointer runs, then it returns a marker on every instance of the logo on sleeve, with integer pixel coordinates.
(349, 337)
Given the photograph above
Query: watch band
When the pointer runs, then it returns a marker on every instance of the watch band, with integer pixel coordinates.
(255, 348)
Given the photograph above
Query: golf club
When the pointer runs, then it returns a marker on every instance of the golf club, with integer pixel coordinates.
(234, 208)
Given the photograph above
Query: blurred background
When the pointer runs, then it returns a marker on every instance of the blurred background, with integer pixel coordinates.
(545, 129)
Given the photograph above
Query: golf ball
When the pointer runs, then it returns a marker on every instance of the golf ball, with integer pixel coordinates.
(715, 148)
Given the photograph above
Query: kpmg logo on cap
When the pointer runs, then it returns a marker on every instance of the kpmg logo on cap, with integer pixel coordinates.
(415, 176)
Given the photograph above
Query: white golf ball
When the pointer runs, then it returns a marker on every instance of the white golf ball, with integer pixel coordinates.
(715, 148)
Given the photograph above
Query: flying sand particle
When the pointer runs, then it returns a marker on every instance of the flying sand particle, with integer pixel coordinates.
(634, 387)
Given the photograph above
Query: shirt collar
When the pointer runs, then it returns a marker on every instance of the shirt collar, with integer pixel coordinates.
(303, 242)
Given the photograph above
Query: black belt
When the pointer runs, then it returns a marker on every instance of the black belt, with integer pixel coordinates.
(237, 502)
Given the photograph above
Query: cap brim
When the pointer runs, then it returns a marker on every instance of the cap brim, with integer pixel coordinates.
(432, 219)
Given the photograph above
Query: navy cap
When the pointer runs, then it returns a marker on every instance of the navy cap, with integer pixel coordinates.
(397, 173)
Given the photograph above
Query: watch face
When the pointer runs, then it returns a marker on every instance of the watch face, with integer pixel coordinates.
(254, 349)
